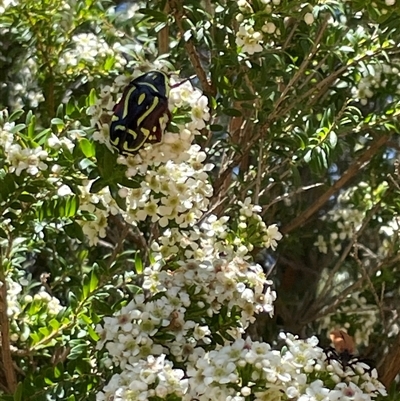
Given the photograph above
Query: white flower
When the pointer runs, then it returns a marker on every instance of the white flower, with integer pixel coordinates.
(26, 159)
(6, 137)
(273, 235)
(200, 113)
(316, 391)
(269, 27)
(321, 244)
(308, 18)
(247, 208)
(249, 40)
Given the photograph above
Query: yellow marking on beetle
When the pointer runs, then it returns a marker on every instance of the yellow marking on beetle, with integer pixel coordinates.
(154, 128)
(115, 142)
(126, 102)
(114, 118)
(152, 137)
(133, 133)
(120, 127)
(141, 98)
(151, 86)
(135, 148)
(145, 131)
(127, 148)
(148, 111)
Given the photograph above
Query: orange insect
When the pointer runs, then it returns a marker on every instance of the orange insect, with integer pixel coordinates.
(343, 350)
(342, 342)
(343, 347)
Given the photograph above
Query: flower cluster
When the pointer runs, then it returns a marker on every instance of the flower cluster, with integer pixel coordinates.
(348, 221)
(99, 205)
(20, 158)
(243, 368)
(36, 309)
(217, 236)
(145, 379)
(171, 191)
(44, 298)
(252, 40)
(388, 231)
(175, 320)
(6, 134)
(252, 231)
(7, 3)
(27, 92)
(375, 78)
(181, 295)
(14, 290)
(31, 160)
(88, 50)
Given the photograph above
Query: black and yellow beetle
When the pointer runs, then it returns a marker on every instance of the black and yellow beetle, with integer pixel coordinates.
(139, 116)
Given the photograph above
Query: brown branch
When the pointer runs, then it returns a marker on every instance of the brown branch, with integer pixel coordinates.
(390, 366)
(177, 11)
(7, 362)
(163, 35)
(347, 175)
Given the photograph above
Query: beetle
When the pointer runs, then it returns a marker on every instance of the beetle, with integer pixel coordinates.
(142, 113)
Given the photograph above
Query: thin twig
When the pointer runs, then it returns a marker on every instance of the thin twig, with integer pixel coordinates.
(368, 280)
(343, 256)
(289, 195)
(347, 175)
(177, 10)
(335, 301)
(304, 64)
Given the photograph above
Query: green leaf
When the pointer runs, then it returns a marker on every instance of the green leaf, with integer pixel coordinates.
(93, 335)
(346, 49)
(216, 127)
(157, 16)
(92, 98)
(57, 121)
(18, 128)
(85, 288)
(94, 280)
(85, 163)
(18, 392)
(121, 202)
(98, 185)
(7, 186)
(60, 111)
(15, 116)
(27, 198)
(87, 147)
(232, 112)
(3, 234)
(138, 264)
(333, 139)
(77, 351)
(41, 137)
(74, 230)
